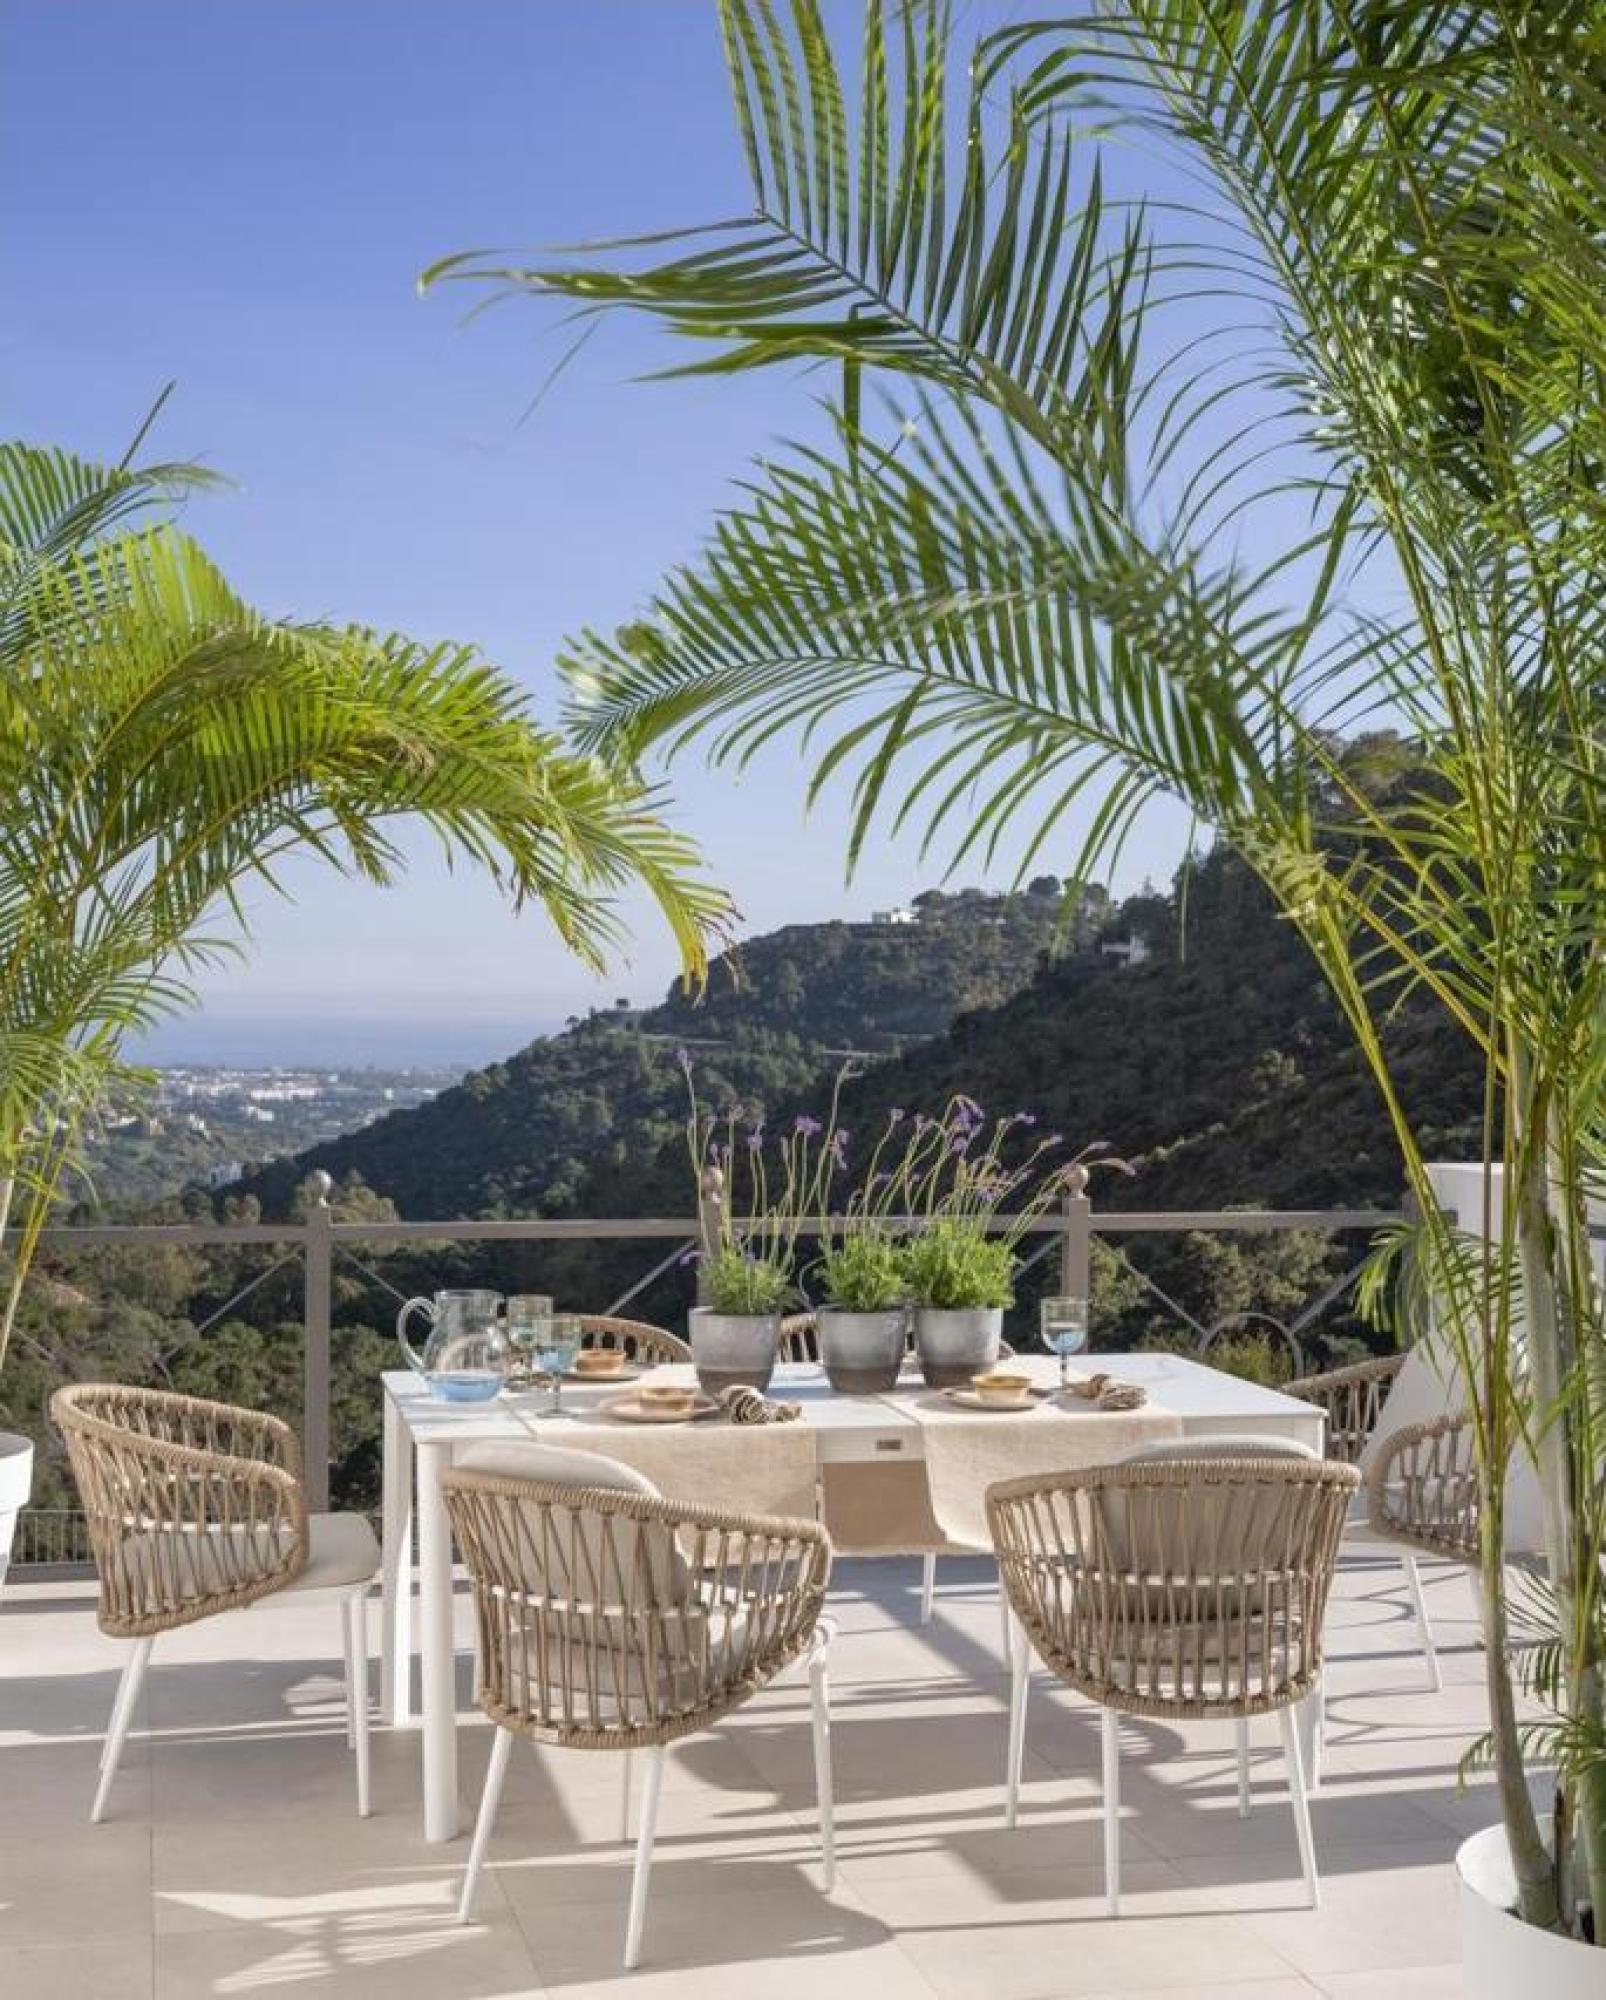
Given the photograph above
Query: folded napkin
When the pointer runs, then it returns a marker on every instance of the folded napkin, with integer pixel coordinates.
(744, 1404)
(1109, 1394)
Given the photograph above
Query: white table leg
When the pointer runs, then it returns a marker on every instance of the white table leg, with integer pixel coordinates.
(396, 1606)
(439, 1680)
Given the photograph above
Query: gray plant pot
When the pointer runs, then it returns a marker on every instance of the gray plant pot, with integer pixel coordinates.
(727, 1348)
(862, 1351)
(954, 1345)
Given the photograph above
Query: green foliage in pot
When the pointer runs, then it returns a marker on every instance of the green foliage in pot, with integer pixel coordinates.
(953, 1266)
(736, 1283)
(864, 1271)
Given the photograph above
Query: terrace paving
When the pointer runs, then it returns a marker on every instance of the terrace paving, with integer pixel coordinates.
(232, 1862)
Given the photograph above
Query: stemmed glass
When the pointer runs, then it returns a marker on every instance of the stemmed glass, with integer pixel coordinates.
(555, 1352)
(1063, 1325)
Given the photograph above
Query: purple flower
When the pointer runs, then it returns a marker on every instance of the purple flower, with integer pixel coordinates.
(683, 1057)
(839, 1139)
(895, 1115)
(1027, 1118)
(755, 1140)
(969, 1107)
(806, 1127)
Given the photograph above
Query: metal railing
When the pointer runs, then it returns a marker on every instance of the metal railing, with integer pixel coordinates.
(1066, 1230)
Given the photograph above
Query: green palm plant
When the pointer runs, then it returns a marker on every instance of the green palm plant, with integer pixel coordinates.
(163, 747)
(1099, 538)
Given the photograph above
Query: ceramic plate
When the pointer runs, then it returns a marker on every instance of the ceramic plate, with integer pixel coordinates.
(969, 1400)
(631, 1410)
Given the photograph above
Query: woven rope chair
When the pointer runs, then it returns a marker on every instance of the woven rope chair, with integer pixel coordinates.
(197, 1508)
(610, 1618)
(1181, 1587)
(637, 1339)
(1420, 1481)
(800, 1338)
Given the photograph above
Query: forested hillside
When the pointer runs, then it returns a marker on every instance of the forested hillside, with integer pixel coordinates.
(527, 1135)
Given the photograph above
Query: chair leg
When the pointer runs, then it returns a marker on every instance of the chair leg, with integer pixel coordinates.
(490, 1799)
(1294, 1759)
(1111, 1732)
(122, 1715)
(638, 1887)
(1241, 1733)
(928, 1588)
(820, 1715)
(1005, 1622)
(354, 1617)
(1313, 1727)
(625, 1764)
(1019, 1693)
(1413, 1581)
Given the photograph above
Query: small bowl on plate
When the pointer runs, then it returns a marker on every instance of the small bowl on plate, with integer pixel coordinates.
(600, 1364)
(671, 1399)
(1002, 1389)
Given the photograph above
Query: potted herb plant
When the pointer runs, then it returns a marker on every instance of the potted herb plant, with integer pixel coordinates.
(974, 1207)
(750, 1215)
(862, 1319)
(961, 1280)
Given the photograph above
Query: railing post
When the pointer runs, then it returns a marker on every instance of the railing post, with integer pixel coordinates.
(710, 1196)
(1076, 1242)
(315, 1387)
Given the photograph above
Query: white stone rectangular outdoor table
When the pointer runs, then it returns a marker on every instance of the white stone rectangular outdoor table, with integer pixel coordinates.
(422, 1435)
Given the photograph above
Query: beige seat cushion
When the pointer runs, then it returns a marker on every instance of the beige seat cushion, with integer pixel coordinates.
(181, 1566)
(341, 1550)
(594, 1558)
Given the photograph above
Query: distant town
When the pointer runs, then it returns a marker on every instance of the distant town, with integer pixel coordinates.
(209, 1125)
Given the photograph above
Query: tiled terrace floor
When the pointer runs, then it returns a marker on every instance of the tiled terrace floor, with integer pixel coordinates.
(233, 1864)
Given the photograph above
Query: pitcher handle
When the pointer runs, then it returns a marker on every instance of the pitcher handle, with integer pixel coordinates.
(415, 1360)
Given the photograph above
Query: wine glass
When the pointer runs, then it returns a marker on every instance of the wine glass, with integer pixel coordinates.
(528, 1316)
(1063, 1325)
(558, 1344)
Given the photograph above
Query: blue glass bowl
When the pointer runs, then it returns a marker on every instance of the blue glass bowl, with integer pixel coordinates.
(480, 1386)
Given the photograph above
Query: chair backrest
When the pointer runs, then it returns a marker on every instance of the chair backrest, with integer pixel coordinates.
(577, 1558)
(638, 1339)
(800, 1338)
(1186, 1585)
(1428, 1385)
(194, 1507)
(609, 1616)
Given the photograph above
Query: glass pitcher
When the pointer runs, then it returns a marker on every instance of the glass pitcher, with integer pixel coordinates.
(466, 1353)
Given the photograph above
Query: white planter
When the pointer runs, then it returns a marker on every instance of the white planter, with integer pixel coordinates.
(16, 1483)
(955, 1344)
(1502, 1958)
(862, 1352)
(728, 1348)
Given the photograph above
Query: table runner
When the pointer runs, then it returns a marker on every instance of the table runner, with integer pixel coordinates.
(969, 1450)
(751, 1468)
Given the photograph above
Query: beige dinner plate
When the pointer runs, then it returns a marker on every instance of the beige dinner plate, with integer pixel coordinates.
(631, 1410)
(969, 1400)
(630, 1372)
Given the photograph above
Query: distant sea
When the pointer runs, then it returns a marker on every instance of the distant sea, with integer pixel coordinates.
(302, 1041)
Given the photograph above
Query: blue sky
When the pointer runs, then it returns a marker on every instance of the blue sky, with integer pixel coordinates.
(239, 194)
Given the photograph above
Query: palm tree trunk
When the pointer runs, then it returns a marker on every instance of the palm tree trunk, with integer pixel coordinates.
(1548, 1328)
(1531, 1862)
